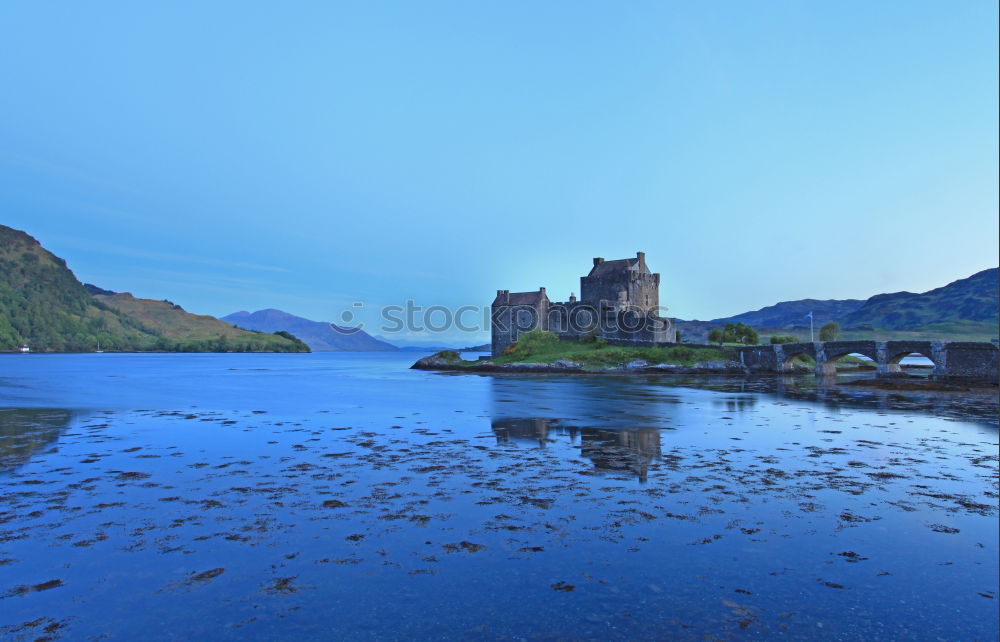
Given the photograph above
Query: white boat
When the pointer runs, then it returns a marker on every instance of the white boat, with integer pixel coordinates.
(99, 347)
(25, 348)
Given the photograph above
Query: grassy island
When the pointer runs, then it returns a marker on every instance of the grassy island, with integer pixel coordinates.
(542, 347)
(541, 351)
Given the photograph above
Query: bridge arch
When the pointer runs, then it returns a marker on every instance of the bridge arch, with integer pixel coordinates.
(894, 363)
(789, 352)
(897, 358)
(896, 351)
(831, 364)
(834, 351)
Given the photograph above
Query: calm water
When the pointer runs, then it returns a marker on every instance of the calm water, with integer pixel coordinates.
(336, 496)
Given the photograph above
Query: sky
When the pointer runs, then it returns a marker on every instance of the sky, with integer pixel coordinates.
(308, 156)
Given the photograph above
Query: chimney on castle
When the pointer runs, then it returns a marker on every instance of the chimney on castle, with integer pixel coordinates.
(597, 261)
(642, 259)
(541, 290)
(572, 297)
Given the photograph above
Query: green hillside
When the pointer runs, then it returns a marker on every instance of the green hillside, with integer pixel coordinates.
(44, 306)
(183, 331)
(965, 306)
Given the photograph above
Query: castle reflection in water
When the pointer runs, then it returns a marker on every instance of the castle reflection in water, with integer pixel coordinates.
(615, 422)
(610, 450)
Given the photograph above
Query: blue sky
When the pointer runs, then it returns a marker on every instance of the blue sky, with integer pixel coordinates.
(304, 156)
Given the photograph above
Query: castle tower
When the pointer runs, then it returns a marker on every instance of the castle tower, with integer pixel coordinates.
(621, 284)
(514, 313)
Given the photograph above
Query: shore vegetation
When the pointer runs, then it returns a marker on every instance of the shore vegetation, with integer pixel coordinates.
(540, 346)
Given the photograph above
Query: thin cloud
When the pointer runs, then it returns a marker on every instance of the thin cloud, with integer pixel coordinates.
(168, 256)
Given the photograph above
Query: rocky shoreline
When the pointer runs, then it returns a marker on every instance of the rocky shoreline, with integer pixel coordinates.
(562, 366)
(566, 367)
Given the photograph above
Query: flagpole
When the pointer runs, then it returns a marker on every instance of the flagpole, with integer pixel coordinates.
(812, 339)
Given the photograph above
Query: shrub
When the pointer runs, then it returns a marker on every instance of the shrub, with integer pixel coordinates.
(779, 339)
(535, 342)
(449, 355)
(682, 354)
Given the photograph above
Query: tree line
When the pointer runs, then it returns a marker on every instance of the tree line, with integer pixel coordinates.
(744, 334)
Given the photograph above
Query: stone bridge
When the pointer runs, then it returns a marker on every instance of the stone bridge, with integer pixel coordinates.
(952, 360)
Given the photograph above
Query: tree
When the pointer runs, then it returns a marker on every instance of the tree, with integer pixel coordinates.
(779, 339)
(738, 333)
(747, 335)
(829, 331)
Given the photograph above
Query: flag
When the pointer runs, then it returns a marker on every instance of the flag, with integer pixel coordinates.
(808, 316)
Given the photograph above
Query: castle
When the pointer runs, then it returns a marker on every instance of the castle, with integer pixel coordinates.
(619, 302)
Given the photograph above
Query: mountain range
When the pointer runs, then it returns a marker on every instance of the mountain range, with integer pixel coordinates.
(43, 305)
(328, 337)
(320, 336)
(965, 309)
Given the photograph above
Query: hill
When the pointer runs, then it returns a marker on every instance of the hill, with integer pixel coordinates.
(178, 330)
(965, 309)
(320, 336)
(967, 304)
(43, 305)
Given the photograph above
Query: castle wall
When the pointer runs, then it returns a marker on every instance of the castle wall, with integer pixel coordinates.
(511, 321)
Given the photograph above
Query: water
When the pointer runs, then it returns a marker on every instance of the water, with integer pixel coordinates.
(344, 496)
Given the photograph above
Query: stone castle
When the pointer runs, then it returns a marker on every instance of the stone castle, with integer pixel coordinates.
(619, 302)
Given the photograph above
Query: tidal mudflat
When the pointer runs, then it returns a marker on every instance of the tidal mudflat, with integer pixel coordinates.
(344, 496)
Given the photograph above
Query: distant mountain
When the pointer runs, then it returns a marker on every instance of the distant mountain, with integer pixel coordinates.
(790, 313)
(320, 336)
(432, 346)
(429, 348)
(44, 306)
(424, 348)
(964, 309)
